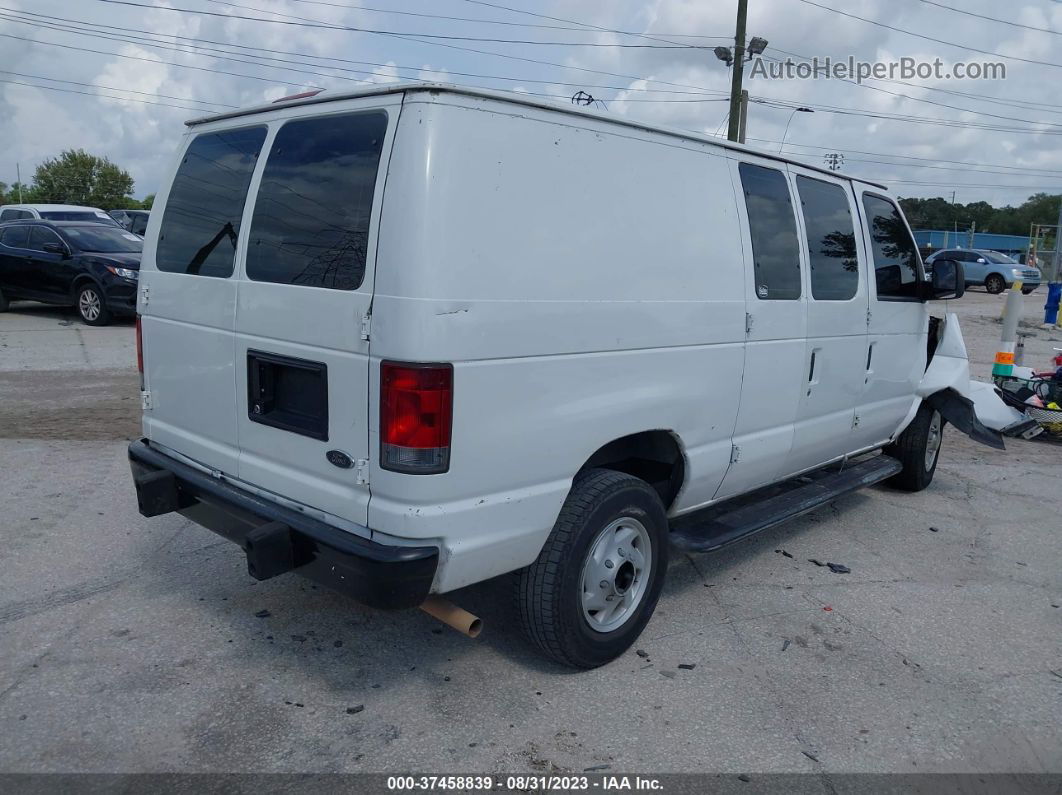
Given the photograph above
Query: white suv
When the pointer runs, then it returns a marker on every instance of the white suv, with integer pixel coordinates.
(412, 338)
(54, 212)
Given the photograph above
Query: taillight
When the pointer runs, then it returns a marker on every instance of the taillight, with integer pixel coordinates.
(139, 347)
(416, 412)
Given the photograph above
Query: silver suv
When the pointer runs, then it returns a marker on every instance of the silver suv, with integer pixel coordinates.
(995, 271)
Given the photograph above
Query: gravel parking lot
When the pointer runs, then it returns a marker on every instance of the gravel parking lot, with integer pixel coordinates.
(142, 645)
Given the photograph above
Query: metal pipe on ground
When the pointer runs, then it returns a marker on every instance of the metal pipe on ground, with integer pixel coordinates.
(453, 616)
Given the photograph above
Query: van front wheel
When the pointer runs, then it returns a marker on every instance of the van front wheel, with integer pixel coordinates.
(918, 449)
(597, 580)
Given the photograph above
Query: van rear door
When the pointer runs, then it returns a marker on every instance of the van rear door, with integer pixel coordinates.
(187, 299)
(301, 350)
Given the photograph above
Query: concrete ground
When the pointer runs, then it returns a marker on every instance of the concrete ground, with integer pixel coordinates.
(142, 645)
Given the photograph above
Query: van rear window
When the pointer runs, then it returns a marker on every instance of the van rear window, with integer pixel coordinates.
(202, 217)
(311, 218)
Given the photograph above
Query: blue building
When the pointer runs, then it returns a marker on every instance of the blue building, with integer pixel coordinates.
(929, 240)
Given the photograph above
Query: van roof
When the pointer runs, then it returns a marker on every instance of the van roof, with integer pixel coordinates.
(517, 99)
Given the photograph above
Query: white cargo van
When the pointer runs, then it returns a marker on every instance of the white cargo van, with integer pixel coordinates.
(408, 339)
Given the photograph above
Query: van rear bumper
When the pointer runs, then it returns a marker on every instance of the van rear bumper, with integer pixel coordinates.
(278, 539)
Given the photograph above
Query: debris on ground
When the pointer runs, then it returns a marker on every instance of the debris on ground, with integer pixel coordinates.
(744, 778)
(783, 553)
(596, 768)
(687, 666)
(934, 529)
(642, 653)
(785, 645)
(838, 568)
(668, 674)
(355, 710)
(816, 562)
(262, 614)
(812, 757)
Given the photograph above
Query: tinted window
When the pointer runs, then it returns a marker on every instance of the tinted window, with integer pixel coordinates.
(104, 238)
(311, 218)
(831, 240)
(14, 215)
(202, 217)
(138, 224)
(75, 215)
(39, 235)
(15, 236)
(775, 250)
(897, 269)
(999, 259)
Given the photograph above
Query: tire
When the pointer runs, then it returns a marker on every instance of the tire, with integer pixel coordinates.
(918, 449)
(91, 305)
(995, 284)
(606, 516)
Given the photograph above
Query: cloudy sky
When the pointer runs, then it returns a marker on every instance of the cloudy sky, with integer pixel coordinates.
(118, 77)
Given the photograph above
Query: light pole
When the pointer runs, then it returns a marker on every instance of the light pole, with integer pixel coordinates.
(736, 57)
(791, 115)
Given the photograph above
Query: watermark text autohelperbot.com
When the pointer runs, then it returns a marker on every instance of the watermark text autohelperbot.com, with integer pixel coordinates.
(849, 68)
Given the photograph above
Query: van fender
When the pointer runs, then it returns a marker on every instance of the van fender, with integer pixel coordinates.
(946, 385)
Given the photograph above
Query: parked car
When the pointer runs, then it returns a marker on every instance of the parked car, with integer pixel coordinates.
(557, 343)
(996, 272)
(90, 266)
(134, 221)
(55, 212)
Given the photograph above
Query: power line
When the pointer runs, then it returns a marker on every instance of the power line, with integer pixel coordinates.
(482, 21)
(92, 28)
(990, 19)
(101, 96)
(912, 33)
(380, 32)
(112, 88)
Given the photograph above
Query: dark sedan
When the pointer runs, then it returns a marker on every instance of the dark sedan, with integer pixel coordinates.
(91, 267)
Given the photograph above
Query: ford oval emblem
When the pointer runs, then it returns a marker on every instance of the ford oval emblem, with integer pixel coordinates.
(339, 459)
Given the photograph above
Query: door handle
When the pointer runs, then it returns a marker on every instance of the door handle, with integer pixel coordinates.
(870, 362)
(811, 370)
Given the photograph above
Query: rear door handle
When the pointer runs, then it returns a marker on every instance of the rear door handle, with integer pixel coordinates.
(811, 370)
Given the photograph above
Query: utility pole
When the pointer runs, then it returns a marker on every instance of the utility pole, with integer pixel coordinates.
(1054, 282)
(834, 161)
(739, 67)
(744, 121)
(18, 174)
(972, 232)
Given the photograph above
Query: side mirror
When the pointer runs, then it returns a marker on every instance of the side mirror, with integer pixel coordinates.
(55, 248)
(948, 280)
(980, 260)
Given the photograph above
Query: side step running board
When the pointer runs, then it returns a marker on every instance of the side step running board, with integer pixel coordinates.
(713, 528)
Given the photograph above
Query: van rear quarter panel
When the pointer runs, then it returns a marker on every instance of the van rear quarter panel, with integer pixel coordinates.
(585, 281)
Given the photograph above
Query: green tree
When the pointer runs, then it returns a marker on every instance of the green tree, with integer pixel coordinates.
(148, 201)
(76, 177)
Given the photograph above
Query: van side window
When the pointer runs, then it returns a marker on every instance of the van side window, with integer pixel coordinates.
(897, 269)
(202, 217)
(772, 225)
(311, 218)
(831, 240)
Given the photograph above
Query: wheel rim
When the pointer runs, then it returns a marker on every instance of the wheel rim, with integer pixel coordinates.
(996, 284)
(89, 304)
(933, 440)
(616, 574)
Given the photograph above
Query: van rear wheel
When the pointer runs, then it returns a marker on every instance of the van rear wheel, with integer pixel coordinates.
(597, 580)
(918, 449)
